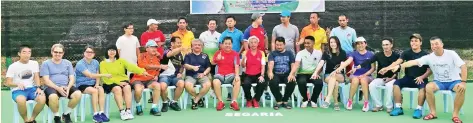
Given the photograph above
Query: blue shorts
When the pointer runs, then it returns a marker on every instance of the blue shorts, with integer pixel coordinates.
(29, 93)
(447, 85)
(169, 80)
(409, 82)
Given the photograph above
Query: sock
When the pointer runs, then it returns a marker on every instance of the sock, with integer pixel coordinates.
(138, 103)
(166, 101)
(154, 105)
(419, 107)
(56, 114)
(398, 105)
(122, 110)
(101, 112)
(68, 110)
(96, 113)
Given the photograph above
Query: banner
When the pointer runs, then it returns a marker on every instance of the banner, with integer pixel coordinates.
(251, 6)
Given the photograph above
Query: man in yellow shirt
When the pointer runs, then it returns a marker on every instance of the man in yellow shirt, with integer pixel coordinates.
(185, 35)
(313, 29)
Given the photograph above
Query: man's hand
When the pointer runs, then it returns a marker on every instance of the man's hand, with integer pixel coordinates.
(195, 68)
(461, 87)
(419, 80)
(155, 78)
(383, 71)
(20, 86)
(237, 78)
(164, 67)
(146, 74)
(200, 75)
(315, 76)
(179, 75)
(261, 79)
(62, 91)
(270, 75)
(219, 56)
(328, 30)
(67, 91)
(39, 92)
(291, 78)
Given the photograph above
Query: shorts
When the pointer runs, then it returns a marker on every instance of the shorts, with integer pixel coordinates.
(194, 79)
(409, 82)
(144, 83)
(50, 91)
(83, 87)
(29, 93)
(108, 88)
(447, 85)
(225, 79)
(169, 80)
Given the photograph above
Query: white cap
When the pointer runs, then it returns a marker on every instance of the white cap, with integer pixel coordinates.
(360, 39)
(151, 21)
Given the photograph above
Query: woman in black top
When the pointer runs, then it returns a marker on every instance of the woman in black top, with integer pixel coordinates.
(384, 59)
(332, 59)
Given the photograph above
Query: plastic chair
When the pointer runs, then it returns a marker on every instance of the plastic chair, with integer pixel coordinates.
(341, 88)
(62, 104)
(29, 108)
(186, 97)
(283, 89)
(231, 86)
(446, 104)
(243, 97)
(82, 105)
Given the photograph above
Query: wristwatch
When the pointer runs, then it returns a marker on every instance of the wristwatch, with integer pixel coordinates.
(463, 81)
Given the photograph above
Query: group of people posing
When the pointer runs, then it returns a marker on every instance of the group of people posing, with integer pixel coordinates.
(241, 59)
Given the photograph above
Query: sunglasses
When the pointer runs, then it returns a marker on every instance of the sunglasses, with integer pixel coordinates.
(57, 52)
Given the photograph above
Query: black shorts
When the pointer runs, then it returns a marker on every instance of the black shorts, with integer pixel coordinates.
(83, 87)
(48, 91)
(212, 69)
(108, 88)
(144, 83)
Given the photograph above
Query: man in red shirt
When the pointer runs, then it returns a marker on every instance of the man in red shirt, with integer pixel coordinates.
(256, 29)
(227, 61)
(153, 34)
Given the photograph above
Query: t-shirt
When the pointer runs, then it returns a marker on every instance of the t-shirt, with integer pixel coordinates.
(282, 61)
(210, 42)
(258, 32)
(146, 59)
(186, 39)
(156, 36)
(58, 73)
(289, 33)
(228, 62)
(81, 66)
(117, 69)
(318, 33)
(309, 61)
(237, 38)
(360, 58)
(201, 60)
(23, 73)
(254, 62)
(414, 71)
(383, 62)
(332, 61)
(174, 63)
(127, 46)
(346, 36)
(446, 68)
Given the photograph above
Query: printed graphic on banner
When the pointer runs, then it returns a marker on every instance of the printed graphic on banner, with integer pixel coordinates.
(250, 6)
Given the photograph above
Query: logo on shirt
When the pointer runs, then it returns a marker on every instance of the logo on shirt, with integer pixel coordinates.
(262, 33)
(348, 35)
(26, 74)
(157, 39)
(204, 56)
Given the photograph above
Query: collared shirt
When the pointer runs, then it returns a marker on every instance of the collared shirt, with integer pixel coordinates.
(144, 60)
(237, 38)
(211, 44)
(309, 61)
(258, 32)
(186, 39)
(318, 33)
(346, 36)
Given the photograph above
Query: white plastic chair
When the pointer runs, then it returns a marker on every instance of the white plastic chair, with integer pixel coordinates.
(283, 86)
(82, 105)
(446, 104)
(62, 105)
(29, 105)
(197, 88)
(231, 86)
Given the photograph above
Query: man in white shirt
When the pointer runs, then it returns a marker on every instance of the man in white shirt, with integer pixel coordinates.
(450, 73)
(20, 78)
(128, 45)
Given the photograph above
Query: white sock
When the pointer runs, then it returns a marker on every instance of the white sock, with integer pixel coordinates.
(68, 110)
(96, 113)
(398, 105)
(138, 103)
(154, 105)
(167, 101)
(56, 114)
(101, 112)
(419, 107)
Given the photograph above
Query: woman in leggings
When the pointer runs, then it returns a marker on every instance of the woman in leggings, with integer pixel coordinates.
(254, 62)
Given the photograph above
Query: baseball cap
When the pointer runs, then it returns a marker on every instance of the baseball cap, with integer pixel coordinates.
(360, 39)
(255, 16)
(285, 13)
(151, 21)
(151, 44)
(416, 35)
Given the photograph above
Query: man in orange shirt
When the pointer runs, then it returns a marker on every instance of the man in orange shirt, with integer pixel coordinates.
(313, 29)
(150, 62)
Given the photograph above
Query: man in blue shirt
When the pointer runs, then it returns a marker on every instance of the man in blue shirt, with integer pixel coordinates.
(345, 34)
(235, 34)
(197, 65)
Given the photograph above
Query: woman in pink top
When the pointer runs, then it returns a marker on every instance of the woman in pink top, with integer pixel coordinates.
(254, 62)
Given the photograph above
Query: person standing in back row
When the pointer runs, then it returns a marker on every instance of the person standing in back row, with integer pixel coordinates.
(256, 29)
(185, 35)
(313, 29)
(287, 30)
(152, 34)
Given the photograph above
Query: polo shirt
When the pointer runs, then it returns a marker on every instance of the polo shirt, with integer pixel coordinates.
(193, 59)
(254, 63)
(258, 32)
(117, 69)
(81, 66)
(309, 61)
(237, 38)
(186, 38)
(144, 60)
(228, 62)
(346, 36)
(156, 36)
(318, 33)
(211, 44)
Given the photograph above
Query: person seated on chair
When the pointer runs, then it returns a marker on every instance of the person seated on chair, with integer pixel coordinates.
(118, 83)
(23, 79)
(361, 76)
(88, 82)
(197, 66)
(148, 60)
(281, 62)
(254, 62)
(58, 75)
(383, 59)
(172, 76)
(227, 61)
(306, 62)
(414, 77)
(450, 73)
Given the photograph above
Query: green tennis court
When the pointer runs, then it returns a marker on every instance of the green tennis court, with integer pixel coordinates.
(268, 115)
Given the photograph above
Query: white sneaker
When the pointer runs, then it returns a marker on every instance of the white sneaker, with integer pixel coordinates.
(366, 106)
(313, 104)
(349, 105)
(304, 104)
(129, 115)
(123, 115)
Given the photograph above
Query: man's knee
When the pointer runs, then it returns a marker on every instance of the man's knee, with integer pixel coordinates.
(41, 99)
(20, 99)
(117, 90)
(216, 82)
(206, 85)
(180, 84)
(137, 87)
(155, 85)
(53, 97)
(431, 87)
(76, 95)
